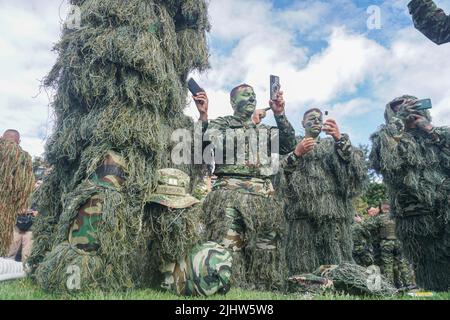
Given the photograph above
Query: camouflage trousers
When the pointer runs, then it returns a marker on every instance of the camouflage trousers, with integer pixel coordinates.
(393, 265)
(267, 244)
(204, 272)
(363, 254)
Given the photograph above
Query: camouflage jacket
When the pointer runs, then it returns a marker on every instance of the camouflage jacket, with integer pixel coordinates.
(322, 184)
(430, 20)
(416, 168)
(343, 148)
(380, 227)
(246, 157)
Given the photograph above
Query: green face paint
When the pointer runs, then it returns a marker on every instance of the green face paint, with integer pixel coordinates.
(313, 124)
(244, 102)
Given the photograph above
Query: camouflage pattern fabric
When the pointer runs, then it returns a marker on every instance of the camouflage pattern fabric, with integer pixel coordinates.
(415, 165)
(235, 237)
(204, 272)
(83, 233)
(319, 192)
(109, 175)
(238, 207)
(202, 189)
(387, 252)
(172, 190)
(309, 284)
(363, 251)
(255, 186)
(393, 265)
(244, 163)
(430, 20)
(290, 162)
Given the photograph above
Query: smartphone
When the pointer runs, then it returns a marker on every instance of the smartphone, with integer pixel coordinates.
(424, 104)
(194, 88)
(274, 87)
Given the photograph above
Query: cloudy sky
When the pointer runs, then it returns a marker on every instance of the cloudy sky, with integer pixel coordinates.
(323, 51)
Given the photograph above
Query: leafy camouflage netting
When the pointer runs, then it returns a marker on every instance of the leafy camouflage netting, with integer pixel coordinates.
(415, 168)
(345, 278)
(174, 232)
(17, 181)
(319, 207)
(120, 83)
(354, 279)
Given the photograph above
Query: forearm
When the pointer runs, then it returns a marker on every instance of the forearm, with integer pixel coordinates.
(288, 141)
(344, 147)
(430, 20)
(289, 163)
(441, 135)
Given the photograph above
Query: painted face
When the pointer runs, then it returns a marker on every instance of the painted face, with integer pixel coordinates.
(11, 136)
(313, 124)
(385, 208)
(373, 212)
(244, 102)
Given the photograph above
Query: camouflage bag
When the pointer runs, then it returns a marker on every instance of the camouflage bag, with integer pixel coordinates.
(204, 272)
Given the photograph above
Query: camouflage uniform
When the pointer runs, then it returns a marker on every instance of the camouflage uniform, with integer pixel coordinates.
(430, 20)
(320, 189)
(110, 176)
(389, 256)
(363, 251)
(242, 213)
(92, 235)
(188, 267)
(416, 169)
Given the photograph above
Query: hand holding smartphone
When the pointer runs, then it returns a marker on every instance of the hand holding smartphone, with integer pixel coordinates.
(194, 88)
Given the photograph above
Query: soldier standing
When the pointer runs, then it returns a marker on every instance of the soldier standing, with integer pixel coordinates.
(390, 259)
(414, 158)
(323, 178)
(430, 20)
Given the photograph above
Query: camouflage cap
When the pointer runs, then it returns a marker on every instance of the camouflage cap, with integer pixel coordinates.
(172, 190)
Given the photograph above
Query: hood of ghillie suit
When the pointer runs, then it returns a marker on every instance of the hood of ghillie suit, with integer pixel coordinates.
(389, 114)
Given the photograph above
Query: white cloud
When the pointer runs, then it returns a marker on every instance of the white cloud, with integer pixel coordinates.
(29, 30)
(320, 49)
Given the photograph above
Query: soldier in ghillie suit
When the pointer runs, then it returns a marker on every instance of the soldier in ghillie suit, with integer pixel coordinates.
(323, 176)
(16, 185)
(430, 20)
(188, 266)
(381, 232)
(241, 212)
(120, 84)
(86, 239)
(414, 158)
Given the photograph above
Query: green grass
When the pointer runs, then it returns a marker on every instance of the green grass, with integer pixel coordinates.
(26, 290)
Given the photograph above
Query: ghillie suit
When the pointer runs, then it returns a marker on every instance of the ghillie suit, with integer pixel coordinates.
(16, 186)
(320, 190)
(389, 256)
(97, 237)
(363, 250)
(416, 169)
(120, 82)
(241, 211)
(188, 266)
(430, 20)
(345, 278)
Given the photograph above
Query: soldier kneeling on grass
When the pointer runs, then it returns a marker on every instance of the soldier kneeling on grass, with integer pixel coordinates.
(189, 266)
